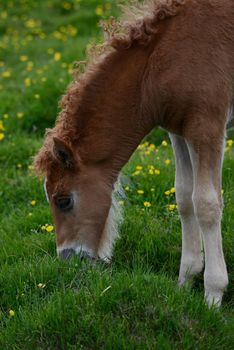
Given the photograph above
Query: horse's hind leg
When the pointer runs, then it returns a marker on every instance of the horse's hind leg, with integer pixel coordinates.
(206, 152)
(192, 255)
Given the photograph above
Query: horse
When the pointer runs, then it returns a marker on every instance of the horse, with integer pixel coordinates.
(164, 63)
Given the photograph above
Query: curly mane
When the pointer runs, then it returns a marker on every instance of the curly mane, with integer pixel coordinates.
(138, 26)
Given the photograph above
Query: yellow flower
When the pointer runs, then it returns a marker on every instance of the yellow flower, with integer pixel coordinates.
(1, 126)
(29, 214)
(164, 143)
(136, 173)
(167, 161)
(20, 115)
(173, 190)
(57, 56)
(23, 58)
(27, 82)
(41, 285)
(222, 192)
(127, 188)
(157, 172)
(33, 203)
(139, 167)
(99, 11)
(230, 142)
(167, 193)
(147, 204)
(121, 202)
(37, 96)
(152, 146)
(1, 136)
(5, 116)
(140, 192)
(12, 313)
(152, 189)
(151, 172)
(171, 207)
(49, 228)
(19, 166)
(6, 74)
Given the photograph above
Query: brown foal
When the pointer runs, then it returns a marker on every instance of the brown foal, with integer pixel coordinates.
(167, 63)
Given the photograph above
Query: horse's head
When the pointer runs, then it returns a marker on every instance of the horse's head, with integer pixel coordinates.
(81, 198)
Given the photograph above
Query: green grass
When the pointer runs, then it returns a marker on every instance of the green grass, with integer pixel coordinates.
(133, 303)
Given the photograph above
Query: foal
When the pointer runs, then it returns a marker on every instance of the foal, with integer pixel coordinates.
(169, 63)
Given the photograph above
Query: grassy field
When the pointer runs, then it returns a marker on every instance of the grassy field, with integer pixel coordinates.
(133, 303)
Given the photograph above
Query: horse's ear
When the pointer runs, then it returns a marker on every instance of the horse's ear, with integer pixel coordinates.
(63, 153)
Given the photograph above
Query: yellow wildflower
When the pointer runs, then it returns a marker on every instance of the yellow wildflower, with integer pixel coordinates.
(27, 82)
(41, 285)
(33, 203)
(171, 207)
(136, 173)
(23, 58)
(37, 96)
(6, 74)
(5, 116)
(20, 115)
(139, 167)
(152, 189)
(167, 161)
(164, 143)
(11, 313)
(19, 166)
(140, 192)
(1, 126)
(230, 142)
(157, 172)
(147, 204)
(127, 188)
(57, 56)
(99, 11)
(152, 146)
(121, 202)
(1, 136)
(173, 190)
(167, 193)
(49, 228)
(151, 172)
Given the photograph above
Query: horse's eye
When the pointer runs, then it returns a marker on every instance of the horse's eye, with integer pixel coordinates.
(65, 203)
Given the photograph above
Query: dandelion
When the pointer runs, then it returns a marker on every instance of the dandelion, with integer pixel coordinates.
(6, 74)
(27, 82)
(2, 136)
(19, 166)
(157, 172)
(57, 56)
(139, 167)
(41, 285)
(33, 202)
(99, 11)
(49, 228)
(230, 142)
(30, 214)
(5, 116)
(147, 204)
(1, 126)
(127, 188)
(37, 96)
(167, 161)
(23, 58)
(136, 173)
(167, 193)
(20, 115)
(164, 143)
(222, 192)
(140, 192)
(173, 190)
(11, 313)
(152, 146)
(152, 189)
(171, 207)
(151, 172)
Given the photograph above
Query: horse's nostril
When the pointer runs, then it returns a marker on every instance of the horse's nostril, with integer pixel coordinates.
(67, 253)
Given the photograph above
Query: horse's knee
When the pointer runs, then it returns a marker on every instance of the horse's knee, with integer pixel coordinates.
(184, 202)
(208, 208)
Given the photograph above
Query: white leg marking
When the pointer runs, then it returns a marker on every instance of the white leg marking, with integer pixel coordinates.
(208, 209)
(192, 254)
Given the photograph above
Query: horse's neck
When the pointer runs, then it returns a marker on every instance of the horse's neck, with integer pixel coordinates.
(118, 124)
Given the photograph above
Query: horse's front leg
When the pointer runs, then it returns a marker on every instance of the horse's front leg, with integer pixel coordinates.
(206, 152)
(192, 254)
